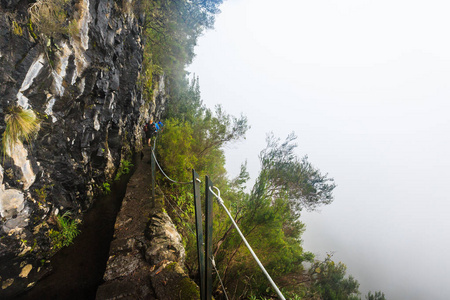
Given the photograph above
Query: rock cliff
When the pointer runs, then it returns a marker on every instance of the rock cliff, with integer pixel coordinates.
(82, 84)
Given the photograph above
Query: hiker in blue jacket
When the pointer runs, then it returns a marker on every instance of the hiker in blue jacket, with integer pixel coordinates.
(151, 129)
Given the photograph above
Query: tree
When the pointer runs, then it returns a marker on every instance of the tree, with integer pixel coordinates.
(283, 174)
(377, 296)
(211, 130)
(172, 27)
(269, 218)
(328, 279)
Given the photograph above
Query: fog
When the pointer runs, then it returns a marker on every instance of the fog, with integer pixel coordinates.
(365, 86)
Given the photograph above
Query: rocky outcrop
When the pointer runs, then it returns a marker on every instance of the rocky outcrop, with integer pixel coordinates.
(147, 254)
(83, 85)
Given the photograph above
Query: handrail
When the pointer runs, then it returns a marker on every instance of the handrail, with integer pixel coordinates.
(157, 163)
(174, 181)
(220, 201)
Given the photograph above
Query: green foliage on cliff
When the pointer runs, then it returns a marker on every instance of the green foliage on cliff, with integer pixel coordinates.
(21, 125)
(106, 188)
(16, 28)
(124, 168)
(172, 27)
(170, 30)
(66, 233)
(50, 17)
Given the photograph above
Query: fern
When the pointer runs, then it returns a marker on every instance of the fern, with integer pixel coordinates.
(68, 230)
(125, 168)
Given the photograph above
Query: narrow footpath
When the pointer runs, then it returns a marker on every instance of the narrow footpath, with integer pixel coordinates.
(146, 255)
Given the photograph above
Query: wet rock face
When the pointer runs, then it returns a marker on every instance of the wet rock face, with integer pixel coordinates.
(83, 86)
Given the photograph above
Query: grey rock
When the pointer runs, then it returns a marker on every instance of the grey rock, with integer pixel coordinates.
(121, 266)
(92, 101)
(11, 203)
(16, 224)
(164, 241)
(10, 3)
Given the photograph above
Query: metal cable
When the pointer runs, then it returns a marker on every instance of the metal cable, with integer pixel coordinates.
(220, 200)
(174, 208)
(220, 279)
(157, 163)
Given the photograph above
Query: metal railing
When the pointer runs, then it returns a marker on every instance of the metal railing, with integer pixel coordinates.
(204, 241)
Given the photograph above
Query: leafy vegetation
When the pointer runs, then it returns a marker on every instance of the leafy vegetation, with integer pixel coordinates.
(171, 29)
(50, 18)
(329, 281)
(42, 194)
(16, 29)
(21, 125)
(377, 296)
(66, 233)
(106, 187)
(124, 168)
(269, 214)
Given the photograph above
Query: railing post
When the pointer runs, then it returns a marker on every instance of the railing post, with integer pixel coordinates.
(208, 238)
(199, 231)
(152, 159)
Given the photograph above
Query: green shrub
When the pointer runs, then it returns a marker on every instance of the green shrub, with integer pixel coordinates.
(66, 233)
(21, 124)
(106, 188)
(125, 168)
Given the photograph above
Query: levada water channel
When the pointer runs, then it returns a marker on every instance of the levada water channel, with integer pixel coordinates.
(77, 271)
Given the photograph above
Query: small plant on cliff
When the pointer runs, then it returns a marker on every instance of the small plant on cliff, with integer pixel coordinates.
(21, 124)
(66, 233)
(16, 29)
(49, 17)
(124, 168)
(106, 188)
(42, 193)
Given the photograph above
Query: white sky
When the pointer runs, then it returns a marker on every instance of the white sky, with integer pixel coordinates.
(366, 87)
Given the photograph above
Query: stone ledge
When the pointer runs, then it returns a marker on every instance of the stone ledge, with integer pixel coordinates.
(147, 256)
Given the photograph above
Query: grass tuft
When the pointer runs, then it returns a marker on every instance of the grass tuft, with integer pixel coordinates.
(21, 124)
(50, 17)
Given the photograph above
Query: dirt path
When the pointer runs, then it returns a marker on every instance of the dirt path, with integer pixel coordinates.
(146, 254)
